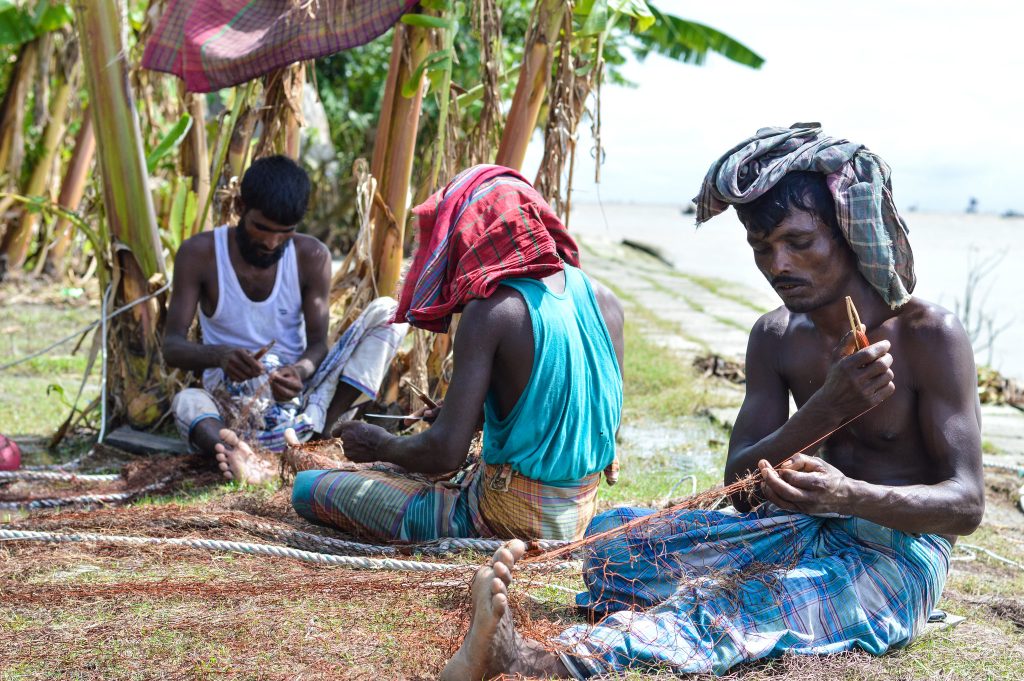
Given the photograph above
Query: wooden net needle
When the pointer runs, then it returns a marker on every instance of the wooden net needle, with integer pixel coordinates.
(422, 395)
(860, 337)
(264, 350)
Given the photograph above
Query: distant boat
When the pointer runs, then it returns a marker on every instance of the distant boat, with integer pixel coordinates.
(1012, 214)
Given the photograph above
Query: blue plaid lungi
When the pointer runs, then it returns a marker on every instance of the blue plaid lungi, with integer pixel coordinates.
(702, 591)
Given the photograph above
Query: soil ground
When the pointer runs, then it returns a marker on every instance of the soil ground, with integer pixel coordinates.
(91, 610)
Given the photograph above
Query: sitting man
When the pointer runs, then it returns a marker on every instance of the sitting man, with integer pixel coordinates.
(538, 350)
(262, 293)
(849, 548)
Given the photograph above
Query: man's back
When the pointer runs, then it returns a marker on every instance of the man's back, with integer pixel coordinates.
(555, 388)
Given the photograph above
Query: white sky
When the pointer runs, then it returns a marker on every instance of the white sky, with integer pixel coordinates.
(935, 88)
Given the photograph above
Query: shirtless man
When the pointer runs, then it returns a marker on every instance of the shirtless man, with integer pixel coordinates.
(868, 519)
(257, 284)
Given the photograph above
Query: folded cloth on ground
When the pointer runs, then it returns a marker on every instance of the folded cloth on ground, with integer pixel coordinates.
(360, 357)
(702, 591)
(859, 183)
(213, 44)
(486, 225)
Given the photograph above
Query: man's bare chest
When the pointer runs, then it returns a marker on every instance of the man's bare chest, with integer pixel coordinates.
(892, 423)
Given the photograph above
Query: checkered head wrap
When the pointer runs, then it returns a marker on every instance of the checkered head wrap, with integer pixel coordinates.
(859, 183)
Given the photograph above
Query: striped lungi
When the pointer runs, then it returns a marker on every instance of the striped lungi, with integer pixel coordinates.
(480, 501)
(703, 591)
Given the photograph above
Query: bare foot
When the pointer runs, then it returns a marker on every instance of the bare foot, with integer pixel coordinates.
(238, 461)
(490, 647)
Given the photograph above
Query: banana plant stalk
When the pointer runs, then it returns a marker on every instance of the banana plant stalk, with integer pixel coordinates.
(394, 150)
(532, 84)
(19, 237)
(134, 239)
(72, 187)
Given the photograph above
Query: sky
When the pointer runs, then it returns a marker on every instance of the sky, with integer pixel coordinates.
(935, 88)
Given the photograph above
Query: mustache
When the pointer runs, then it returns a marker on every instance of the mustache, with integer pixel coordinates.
(789, 281)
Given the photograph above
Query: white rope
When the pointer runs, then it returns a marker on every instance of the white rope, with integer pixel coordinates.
(324, 544)
(1017, 470)
(454, 544)
(990, 554)
(58, 476)
(238, 547)
(103, 364)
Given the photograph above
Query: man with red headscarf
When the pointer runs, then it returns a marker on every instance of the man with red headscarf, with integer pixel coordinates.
(538, 351)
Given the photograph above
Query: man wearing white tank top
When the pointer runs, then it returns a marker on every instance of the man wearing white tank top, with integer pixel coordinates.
(257, 284)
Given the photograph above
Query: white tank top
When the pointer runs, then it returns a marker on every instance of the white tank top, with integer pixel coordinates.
(242, 323)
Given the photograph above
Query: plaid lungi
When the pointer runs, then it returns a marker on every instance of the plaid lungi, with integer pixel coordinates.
(480, 501)
(714, 600)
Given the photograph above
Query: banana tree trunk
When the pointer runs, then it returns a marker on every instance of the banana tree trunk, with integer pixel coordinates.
(135, 365)
(71, 190)
(12, 111)
(19, 237)
(393, 153)
(532, 84)
(282, 106)
(195, 157)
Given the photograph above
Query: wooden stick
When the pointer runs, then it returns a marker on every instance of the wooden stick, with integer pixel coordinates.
(858, 329)
(422, 395)
(264, 350)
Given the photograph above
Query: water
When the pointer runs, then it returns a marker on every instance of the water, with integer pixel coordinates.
(946, 246)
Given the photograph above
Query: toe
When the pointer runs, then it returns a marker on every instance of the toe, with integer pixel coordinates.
(499, 603)
(516, 548)
(502, 572)
(229, 437)
(291, 438)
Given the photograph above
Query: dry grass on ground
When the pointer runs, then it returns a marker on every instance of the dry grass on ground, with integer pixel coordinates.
(93, 611)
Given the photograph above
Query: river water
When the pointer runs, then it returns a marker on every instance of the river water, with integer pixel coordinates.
(947, 246)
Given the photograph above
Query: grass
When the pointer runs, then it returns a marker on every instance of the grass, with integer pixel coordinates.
(92, 611)
(28, 404)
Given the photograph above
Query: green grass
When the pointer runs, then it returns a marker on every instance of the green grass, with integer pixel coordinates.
(27, 404)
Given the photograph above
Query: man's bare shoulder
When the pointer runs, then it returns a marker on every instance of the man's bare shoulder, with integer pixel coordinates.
(502, 307)
(772, 326)
(926, 323)
(928, 331)
(196, 250)
(310, 250)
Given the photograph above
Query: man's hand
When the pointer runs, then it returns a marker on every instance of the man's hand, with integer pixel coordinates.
(285, 383)
(859, 381)
(806, 484)
(361, 441)
(240, 365)
(428, 414)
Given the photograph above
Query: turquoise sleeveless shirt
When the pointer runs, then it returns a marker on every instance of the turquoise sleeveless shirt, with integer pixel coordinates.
(563, 426)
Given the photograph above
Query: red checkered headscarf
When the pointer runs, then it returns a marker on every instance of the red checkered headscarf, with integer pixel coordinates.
(488, 224)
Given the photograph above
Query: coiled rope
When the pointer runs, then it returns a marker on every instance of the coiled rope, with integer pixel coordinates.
(359, 563)
(322, 544)
(58, 476)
